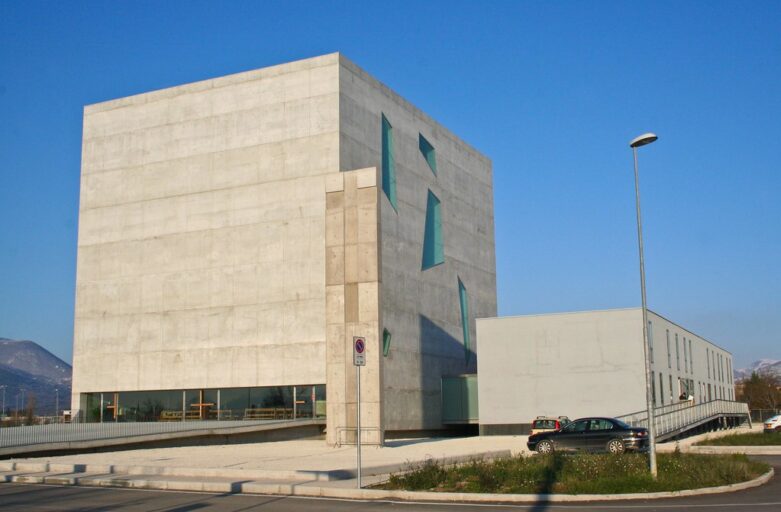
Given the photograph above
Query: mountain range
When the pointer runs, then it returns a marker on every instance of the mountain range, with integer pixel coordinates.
(762, 366)
(28, 370)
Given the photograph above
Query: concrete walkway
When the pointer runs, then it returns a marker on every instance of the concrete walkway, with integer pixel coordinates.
(301, 460)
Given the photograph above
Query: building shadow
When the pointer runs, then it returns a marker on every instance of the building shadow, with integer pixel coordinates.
(441, 354)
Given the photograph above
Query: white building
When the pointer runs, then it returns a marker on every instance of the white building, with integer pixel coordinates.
(590, 364)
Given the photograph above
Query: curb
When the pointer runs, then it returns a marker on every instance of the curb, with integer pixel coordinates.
(721, 450)
(747, 450)
(372, 494)
(303, 490)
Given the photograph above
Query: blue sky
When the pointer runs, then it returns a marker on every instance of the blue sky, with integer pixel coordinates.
(551, 91)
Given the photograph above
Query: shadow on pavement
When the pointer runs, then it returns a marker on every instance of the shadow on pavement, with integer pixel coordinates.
(546, 489)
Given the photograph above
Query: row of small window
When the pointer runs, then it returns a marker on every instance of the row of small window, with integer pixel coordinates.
(687, 390)
(463, 300)
(722, 366)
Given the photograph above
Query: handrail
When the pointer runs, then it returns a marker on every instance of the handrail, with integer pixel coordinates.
(671, 419)
(342, 439)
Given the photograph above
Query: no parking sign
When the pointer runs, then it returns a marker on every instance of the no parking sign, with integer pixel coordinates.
(359, 351)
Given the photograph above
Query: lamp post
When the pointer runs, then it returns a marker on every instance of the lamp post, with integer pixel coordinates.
(643, 140)
(56, 404)
(2, 411)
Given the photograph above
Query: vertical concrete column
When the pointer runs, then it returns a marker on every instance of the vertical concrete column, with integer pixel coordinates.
(352, 304)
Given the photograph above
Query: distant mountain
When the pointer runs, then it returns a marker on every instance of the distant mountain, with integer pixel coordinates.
(26, 370)
(762, 366)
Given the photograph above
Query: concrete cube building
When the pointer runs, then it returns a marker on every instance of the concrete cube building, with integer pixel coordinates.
(235, 234)
(591, 363)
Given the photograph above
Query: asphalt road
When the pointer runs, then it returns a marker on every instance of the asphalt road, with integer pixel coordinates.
(30, 498)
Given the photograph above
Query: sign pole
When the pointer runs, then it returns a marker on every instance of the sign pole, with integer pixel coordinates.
(359, 359)
(358, 421)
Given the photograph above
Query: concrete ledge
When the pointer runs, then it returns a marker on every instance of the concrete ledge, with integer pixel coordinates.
(747, 450)
(372, 494)
(157, 437)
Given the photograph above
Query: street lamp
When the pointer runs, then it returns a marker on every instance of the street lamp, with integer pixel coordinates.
(640, 141)
(2, 411)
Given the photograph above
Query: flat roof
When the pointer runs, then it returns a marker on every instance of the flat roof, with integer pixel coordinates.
(596, 311)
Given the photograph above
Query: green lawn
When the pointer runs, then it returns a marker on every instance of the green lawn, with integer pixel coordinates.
(580, 474)
(761, 439)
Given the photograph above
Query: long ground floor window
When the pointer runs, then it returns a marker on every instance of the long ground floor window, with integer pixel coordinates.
(258, 403)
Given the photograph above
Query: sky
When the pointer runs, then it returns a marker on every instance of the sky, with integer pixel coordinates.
(552, 92)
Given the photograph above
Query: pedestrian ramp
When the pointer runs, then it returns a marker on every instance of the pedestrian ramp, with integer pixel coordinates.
(686, 418)
(75, 437)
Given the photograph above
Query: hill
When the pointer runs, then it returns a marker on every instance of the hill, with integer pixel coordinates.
(762, 366)
(28, 370)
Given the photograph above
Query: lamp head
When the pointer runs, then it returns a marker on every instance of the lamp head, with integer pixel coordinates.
(643, 140)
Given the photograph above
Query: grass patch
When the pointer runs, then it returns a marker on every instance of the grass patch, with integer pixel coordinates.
(579, 474)
(761, 439)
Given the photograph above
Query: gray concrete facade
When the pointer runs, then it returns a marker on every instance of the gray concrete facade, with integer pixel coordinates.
(233, 233)
(589, 364)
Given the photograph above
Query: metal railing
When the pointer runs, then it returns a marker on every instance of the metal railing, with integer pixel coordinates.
(677, 417)
(82, 432)
(760, 415)
(369, 436)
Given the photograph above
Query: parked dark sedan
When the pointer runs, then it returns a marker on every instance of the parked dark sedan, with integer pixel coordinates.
(591, 434)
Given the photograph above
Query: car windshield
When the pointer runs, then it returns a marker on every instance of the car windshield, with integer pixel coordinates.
(621, 424)
(575, 426)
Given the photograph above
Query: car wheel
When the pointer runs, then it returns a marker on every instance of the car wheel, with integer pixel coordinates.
(615, 446)
(545, 446)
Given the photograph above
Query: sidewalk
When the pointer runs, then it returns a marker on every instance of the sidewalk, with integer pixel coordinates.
(283, 462)
(295, 468)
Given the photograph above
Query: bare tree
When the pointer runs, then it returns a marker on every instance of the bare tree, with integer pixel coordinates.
(761, 391)
(29, 411)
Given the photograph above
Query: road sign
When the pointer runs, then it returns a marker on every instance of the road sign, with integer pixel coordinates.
(359, 351)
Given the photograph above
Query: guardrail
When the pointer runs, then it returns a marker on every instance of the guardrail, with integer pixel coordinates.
(342, 437)
(78, 432)
(760, 415)
(679, 417)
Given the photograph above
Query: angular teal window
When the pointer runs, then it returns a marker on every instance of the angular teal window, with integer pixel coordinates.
(433, 247)
(386, 341)
(428, 153)
(388, 163)
(464, 300)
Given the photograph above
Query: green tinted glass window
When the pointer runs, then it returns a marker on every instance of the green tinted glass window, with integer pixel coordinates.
(386, 341)
(428, 153)
(464, 300)
(388, 163)
(433, 246)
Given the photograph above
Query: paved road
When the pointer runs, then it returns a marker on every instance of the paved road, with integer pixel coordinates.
(31, 498)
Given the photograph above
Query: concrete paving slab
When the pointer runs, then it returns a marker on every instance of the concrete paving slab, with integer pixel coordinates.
(295, 460)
